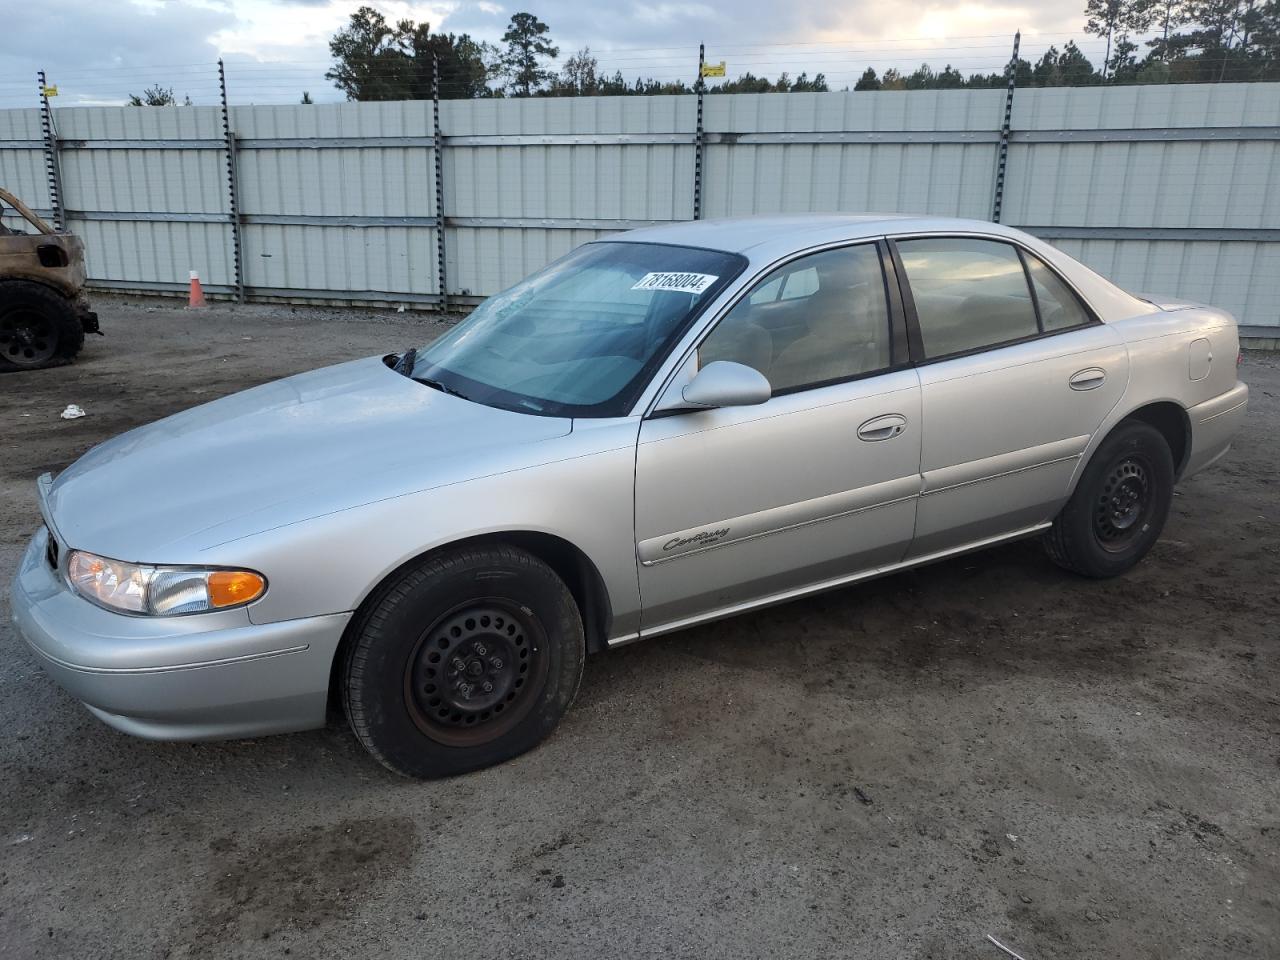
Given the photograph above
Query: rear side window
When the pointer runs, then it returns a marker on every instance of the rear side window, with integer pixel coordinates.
(1060, 308)
(968, 293)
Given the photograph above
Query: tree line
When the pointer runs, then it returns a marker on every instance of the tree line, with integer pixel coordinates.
(1186, 40)
(1147, 41)
(378, 60)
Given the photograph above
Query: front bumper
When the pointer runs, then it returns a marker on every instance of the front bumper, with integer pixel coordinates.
(203, 677)
(89, 320)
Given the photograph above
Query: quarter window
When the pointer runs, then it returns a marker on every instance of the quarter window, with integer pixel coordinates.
(1060, 308)
(819, 319)
(968, 293)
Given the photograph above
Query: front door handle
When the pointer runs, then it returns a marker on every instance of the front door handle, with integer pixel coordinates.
(1088, 379)
(883, 428)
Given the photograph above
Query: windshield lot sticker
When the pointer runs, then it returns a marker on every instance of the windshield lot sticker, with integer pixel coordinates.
(676, 282)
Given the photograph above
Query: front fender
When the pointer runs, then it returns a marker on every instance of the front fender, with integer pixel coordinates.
(331, 563)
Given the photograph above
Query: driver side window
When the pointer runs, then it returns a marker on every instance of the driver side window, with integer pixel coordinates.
(816, 320)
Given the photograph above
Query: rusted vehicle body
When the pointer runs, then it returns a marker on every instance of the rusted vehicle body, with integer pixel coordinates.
(43, 312)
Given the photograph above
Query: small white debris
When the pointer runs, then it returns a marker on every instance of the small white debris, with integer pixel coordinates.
(400, 309)
(1002, 947)
(73, 412)
(1012, 838)
(21, 838)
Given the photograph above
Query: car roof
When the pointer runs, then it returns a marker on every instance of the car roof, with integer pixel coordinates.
(742, 234)
(764, 240)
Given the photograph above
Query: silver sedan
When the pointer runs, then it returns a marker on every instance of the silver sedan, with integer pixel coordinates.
(662, 428)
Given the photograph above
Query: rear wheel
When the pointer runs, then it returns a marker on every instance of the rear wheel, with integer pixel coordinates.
(38, 327)
(1119, 507)
(467, 660)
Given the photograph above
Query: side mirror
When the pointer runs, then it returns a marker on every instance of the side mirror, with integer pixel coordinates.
(723, 383)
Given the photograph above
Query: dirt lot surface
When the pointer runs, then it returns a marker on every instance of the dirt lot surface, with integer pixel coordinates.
(985, 746)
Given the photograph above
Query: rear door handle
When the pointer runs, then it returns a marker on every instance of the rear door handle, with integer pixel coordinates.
(1088, 379)
(882, 428)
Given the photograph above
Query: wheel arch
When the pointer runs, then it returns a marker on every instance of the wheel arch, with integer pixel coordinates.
(1167, 416)
(579, 573)
(64, 290)
(1174, 425)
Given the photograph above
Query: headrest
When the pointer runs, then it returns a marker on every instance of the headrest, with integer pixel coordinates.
(844, 269)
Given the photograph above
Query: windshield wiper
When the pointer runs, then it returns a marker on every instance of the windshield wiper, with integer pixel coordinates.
(437, 385)
(405, 364)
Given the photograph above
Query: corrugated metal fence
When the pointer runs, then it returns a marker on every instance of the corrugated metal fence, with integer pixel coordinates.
(1169, 189)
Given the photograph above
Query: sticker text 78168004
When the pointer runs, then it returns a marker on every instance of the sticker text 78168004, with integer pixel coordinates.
(675, 282)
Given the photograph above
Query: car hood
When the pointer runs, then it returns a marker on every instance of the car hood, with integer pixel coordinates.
(280, 453)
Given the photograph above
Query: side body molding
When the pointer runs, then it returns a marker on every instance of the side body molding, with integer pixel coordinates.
(1003, 465)
(764, 523)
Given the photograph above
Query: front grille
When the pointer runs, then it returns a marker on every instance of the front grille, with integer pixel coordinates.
(51, 549)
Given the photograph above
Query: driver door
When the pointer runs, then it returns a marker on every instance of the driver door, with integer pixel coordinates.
(741, 505)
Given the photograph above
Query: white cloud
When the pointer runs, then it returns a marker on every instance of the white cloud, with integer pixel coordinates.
(670, 13)
(98, 51)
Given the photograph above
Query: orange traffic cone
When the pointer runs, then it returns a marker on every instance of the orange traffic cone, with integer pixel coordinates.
(195, 299)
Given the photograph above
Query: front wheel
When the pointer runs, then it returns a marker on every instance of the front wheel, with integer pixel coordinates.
(38, 327)
(467, 660)
(1119, 507)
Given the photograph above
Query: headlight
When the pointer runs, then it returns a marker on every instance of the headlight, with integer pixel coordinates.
(160, 591)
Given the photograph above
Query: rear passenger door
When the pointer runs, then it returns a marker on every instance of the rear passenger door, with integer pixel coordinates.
(1016, 375)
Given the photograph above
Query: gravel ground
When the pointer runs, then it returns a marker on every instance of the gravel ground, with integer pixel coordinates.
(985, 746)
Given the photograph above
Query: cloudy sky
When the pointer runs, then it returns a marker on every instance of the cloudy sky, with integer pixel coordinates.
(98, 51)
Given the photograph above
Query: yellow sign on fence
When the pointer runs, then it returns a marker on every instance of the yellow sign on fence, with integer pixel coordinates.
(49, 91)
(713, 69)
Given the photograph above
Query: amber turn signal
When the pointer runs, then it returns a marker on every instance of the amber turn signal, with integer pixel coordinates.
(229, 588)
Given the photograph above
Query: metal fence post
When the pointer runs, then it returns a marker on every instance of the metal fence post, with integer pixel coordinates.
(52, 168)
(1002, 155)
(233, 199)
(700, 87)
(437, 150)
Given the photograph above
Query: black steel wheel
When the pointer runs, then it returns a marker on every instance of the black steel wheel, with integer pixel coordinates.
(38, 327)
(465, 660)
(1119, 505)
(1124, 504)
(473, 673)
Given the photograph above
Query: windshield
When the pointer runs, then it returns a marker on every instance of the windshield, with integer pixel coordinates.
(581, 337)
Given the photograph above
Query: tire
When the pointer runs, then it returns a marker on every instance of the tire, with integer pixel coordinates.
(39, 327)
(1119, 507)
(415, 673)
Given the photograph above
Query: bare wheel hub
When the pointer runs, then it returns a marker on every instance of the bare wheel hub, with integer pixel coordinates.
(480, 671)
